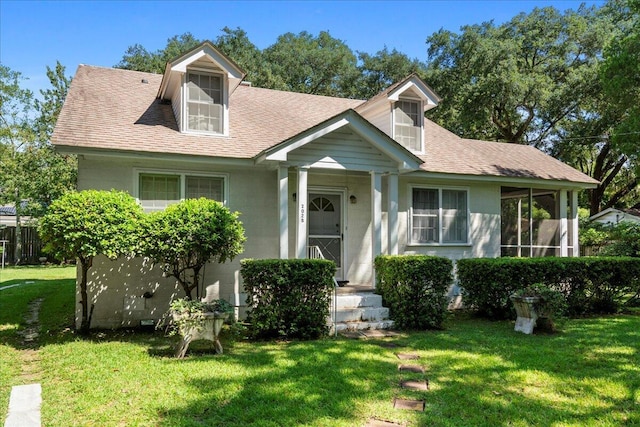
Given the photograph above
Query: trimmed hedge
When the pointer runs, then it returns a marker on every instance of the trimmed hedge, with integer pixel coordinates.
(414, 287)
(288, 298)
(589, 284)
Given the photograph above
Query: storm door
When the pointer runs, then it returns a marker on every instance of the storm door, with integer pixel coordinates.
(325, 227)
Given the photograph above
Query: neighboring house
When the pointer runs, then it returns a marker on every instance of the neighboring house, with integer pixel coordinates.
(613, 216)
(350, 178)
(8, 216)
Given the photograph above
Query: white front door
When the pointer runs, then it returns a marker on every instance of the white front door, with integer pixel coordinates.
(325, 227)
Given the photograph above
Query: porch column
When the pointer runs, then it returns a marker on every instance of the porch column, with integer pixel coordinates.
(564, 231)
(376, 214)
(392, 219)
(574, 223)
(301, 229)
(283, 206)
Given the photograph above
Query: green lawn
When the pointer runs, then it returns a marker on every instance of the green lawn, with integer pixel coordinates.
(480, 373)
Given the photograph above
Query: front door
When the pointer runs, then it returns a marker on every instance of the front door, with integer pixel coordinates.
(325, 227)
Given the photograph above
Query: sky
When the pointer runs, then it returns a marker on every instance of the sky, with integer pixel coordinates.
(36, 34)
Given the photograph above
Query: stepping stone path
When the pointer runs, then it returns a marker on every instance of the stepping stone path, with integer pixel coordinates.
(410, 384)
(25, 400)
(373, 422)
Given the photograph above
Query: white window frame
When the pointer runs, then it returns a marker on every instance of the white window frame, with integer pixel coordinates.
(440, 241)
(183, 183)
(420, 105)
(224, 99)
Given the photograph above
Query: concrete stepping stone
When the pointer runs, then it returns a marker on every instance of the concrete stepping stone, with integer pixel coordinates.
(411, 368)
(24, 406)
(412, 405)
(351, 334)
(407, 356)
(415, 385)
(379, 333)
(374, 422)
(388, 344)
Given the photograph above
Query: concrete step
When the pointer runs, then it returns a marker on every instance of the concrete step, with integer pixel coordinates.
(362, 314)
(362, 299)
(355, 288)
(359, 326)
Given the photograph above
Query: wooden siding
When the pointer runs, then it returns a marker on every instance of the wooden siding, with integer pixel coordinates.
(380, 117)
(176, 105)
(342, 149)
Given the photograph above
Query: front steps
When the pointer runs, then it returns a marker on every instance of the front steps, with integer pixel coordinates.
(358, 308)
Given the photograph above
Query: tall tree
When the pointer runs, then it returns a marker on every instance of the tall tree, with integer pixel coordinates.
(516, 82)
(140, 59)
(32, 174)
(16, 134)
(536, 80)
(320, 65)
(379, 71)
(236, 45)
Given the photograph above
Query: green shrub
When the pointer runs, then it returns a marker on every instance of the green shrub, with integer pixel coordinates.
(82, 225)
(186, 236)
(288, 298)
(589, 285)
(414, 288)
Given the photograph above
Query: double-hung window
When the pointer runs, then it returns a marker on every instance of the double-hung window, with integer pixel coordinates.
(439, 216)
(205, 108)
(407, 124)
(156, 191)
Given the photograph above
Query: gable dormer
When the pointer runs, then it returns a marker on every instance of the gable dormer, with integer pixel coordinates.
(198, 85)
(399, 111)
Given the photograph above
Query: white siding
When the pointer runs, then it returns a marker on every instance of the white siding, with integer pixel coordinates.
(114, 284)
(484, 221)
(176, 106)
(380, 117)
(341, 149)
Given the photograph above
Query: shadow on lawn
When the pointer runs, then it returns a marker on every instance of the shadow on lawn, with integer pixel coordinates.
(589, 374)
(288, 384)
(481, 373)
(54, 319)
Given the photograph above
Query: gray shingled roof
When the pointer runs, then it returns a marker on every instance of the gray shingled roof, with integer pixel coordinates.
(112, 109)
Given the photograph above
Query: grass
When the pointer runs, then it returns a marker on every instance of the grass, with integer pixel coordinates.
(481, 374)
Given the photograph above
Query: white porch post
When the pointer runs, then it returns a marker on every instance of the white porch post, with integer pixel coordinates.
(574, 223)
(283, 206)
(564, 231)
(376, 214)
(392, 223)
(301, 215)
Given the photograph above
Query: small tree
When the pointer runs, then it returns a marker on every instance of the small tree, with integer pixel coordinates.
(186, 236)
(88, 223)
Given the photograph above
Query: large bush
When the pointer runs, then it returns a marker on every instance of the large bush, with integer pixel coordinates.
(589, 284)
(186, 236)
(288, 298)
(414, 288)
(88, 223)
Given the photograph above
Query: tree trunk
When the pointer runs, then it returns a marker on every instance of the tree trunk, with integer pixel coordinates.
(85, 264)
(17, 252)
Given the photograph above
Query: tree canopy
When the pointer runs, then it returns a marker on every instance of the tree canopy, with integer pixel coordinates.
(82, 225)
(537, 79)
(32, 174)
(187, 235)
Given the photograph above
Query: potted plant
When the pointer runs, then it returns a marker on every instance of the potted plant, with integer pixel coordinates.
(198, 320)
(537, 305)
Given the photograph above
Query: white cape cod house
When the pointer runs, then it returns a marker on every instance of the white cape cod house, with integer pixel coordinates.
(351, 179)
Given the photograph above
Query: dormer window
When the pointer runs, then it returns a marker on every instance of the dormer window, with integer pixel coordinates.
(407, 124)
(205, 107)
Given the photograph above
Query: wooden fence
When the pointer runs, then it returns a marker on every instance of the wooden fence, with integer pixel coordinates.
(31, 245)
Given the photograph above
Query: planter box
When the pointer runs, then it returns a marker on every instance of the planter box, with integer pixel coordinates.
(527, 313)
(208, 330)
